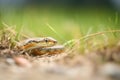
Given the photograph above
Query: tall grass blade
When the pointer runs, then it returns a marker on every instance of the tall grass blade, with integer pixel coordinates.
(55, 31)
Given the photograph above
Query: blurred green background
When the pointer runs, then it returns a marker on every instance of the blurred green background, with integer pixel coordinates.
(69, 18)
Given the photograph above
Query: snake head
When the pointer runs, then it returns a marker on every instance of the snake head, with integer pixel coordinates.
(50, 41)
(32, 43)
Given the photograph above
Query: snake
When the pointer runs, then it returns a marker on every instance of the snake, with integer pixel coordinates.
(41, 46)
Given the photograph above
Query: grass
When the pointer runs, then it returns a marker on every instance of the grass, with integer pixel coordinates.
(89, 42)
(90, 26)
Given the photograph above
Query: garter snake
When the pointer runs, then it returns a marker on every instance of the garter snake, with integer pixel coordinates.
(40, 46)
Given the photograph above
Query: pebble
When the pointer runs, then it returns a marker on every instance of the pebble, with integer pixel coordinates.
(22, 62)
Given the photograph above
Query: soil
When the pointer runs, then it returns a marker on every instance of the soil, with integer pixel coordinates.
(97, 65)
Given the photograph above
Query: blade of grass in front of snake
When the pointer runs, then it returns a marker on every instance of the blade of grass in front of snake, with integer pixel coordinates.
(55, 31)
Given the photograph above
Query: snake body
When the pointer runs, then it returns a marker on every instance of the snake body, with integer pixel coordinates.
(40, 46)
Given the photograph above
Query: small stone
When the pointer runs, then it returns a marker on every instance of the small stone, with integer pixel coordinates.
(10, 61)
(111, 70)
(22, 62)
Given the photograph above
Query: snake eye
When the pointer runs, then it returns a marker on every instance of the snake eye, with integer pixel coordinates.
(46, 40)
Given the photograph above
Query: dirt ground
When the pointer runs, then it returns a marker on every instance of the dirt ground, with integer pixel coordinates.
(98, 65)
